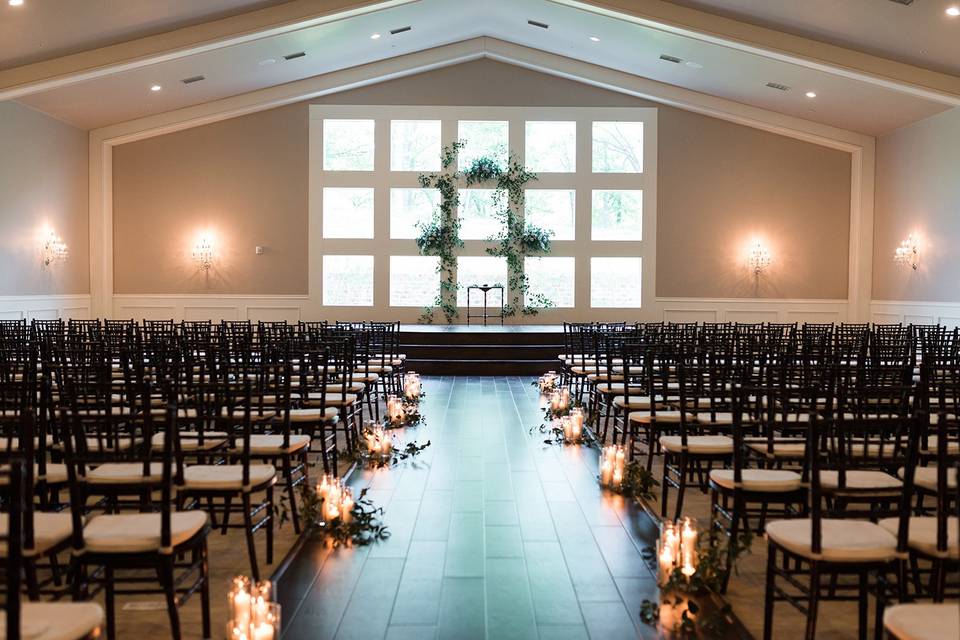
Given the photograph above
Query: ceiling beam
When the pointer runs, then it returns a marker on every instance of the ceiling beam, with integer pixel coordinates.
(776, 45)
(179, 43)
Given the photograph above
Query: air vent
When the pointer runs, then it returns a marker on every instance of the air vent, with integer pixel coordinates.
(778, 86)
(667, 58)
(193, 79)
(394, 32)
(294, 56)
(534, 23)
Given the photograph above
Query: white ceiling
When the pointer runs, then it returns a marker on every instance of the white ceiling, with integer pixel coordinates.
(45, 29)
(920, 34)
(625, 46)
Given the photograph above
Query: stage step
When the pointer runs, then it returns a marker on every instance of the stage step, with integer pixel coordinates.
(481, 351)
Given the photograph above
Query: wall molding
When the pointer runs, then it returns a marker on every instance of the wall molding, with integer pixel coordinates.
(45, 307)
(752, 310)
(166, 306)
(915, 312)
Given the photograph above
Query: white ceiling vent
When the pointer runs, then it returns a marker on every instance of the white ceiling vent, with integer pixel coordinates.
(534, 23)
(778, 86)
(394, 32)
(673, 59)
(294, 56)
(193, 79)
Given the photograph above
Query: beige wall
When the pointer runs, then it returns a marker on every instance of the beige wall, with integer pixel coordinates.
(719, 184)
(43, 186)
(918, 192)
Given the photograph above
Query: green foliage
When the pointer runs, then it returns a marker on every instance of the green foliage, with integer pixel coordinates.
(638, 482)
(365, 525)
(516, 240)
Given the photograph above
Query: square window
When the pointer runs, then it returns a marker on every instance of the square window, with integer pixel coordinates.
(478, 214)
(553, 210)
(348, 145)
(347, 281)
(487, 270)
(483, 138)
(551, 147)
(552, 278)
(618, 147)
(615, 283)
(347, 212)
(409, 207)
(617, 215)
(414, 281)
(414, 145)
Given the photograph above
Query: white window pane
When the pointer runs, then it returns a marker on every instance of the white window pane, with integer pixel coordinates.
(615, 283)
(553, 210)
(483, 138)
(478, 219)
(618, 147)
(347, 212)
(486, 270)
(414, 145)
(617, 215)
(410, 206)
(414, 281)
(348, 145)
(348, 281)
(552, 278)
(551, 146)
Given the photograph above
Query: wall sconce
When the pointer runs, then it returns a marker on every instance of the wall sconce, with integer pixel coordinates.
(908, 253)
(758, 258)
(203, 253)
(54, 249)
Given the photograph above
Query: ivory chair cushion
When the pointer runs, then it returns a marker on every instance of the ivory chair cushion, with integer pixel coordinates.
(314, 415)
(671, 417)
(842, 540)
(860, 480)
(190, 440)
(56, 473)
(124, 473)
(340, 400)
(617, 388)
(923, 621)
(239, 414)
(139, 532)
(355, 387)
(49, 530)
(273, 444)
(787, 449)
(760, 480)
(58, 620)
(227, 476)
(922, 534)
(926, 478)
(711, 445)
(637, 403)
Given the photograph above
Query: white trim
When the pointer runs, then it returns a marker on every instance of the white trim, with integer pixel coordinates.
(102, 140)
(798, 310)
(916, 312)
(46, 307)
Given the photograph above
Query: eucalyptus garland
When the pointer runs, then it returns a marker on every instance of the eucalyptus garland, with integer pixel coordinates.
(516, 239)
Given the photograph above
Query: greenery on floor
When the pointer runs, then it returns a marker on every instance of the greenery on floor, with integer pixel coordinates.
(638, 482)
(363, 526)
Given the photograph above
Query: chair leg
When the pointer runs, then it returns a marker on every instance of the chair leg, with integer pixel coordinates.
(288, 478)
(664, 487)
(269, 525)
(109, 602)
(768, 600)
(248, 530)
(205, 589)
(811, 632)
(862, 607)
(683, 485)
(165, 571)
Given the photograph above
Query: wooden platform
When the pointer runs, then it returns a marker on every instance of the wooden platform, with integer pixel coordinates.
(481, 351)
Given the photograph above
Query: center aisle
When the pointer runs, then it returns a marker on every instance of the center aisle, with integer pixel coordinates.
(493, 534)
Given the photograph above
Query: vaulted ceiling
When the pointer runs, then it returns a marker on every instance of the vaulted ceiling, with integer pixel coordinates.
(93, 63)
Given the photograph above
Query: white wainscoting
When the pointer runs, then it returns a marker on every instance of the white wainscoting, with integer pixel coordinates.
(203, 307)
(45, 307)
(894, 311)
(751, 310)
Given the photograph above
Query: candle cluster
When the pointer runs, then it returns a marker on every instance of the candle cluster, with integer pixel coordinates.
(612, 461)
(379, 442)
(253, 616)
(411, 386)
(337, 500)
(559, 401)
(548, 381)
(395, 411)
(677, 548)
(572, 426)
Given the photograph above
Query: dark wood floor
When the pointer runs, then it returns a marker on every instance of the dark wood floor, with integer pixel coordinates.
(494, 534)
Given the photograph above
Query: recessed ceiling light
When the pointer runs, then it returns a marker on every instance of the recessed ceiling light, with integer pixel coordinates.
(268, 61)
(15, 3)
(811, 94)
(156, 87)
(375, 36)
(693, 65)
(594, 39)
(953, 12)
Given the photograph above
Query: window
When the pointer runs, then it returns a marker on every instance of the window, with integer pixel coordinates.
(348, 145)
(409, 207)
(415, 145)
(553, 210)
(483, 138)
(551, 147)
(478, 219)
(414, 280)
(615, 283)
(486, 270)
(347, 281)
(552, 278)
(617, 215)
(347, 213)
(618, 147)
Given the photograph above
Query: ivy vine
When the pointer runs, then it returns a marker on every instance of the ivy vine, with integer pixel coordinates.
(440, 236)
